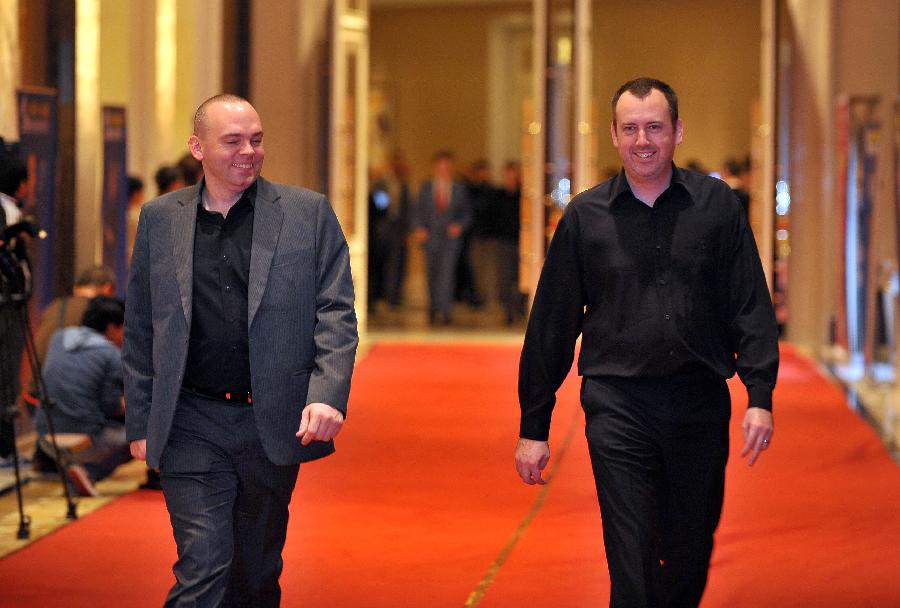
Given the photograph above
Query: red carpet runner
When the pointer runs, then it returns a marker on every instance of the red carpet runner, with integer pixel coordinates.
(421, 507)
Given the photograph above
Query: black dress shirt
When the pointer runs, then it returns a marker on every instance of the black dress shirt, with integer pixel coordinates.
(654, 291)
(218, 360)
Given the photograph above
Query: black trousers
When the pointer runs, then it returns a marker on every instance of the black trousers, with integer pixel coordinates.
(228, 505)
(658, 448)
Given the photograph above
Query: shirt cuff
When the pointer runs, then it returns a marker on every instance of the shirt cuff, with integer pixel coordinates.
(760, 397)
(534, 427)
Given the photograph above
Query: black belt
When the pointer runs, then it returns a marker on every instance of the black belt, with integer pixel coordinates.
(232, 396)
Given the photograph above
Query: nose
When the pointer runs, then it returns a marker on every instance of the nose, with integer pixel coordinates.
(642, 136)
(247, 148)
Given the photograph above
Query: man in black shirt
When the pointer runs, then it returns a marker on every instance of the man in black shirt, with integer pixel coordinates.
(240, 338)
(658, 271)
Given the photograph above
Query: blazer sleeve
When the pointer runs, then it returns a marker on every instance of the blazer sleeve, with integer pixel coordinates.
(335, 333)
(137, 346)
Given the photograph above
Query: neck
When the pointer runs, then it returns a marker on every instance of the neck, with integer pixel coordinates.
(219, 201)
(647, 193)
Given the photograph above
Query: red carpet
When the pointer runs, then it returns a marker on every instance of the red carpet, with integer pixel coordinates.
(422, 498)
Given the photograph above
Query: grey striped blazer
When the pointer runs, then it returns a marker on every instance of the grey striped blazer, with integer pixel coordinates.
(301, 321)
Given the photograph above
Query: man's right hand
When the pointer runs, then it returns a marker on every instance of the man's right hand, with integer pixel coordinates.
(531, 458)
(139, 449)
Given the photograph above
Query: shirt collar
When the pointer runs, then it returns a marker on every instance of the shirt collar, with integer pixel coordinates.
(679, 181)
(249, 193)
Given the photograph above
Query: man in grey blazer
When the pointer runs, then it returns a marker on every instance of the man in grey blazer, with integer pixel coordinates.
(240, 338)
(442, 215)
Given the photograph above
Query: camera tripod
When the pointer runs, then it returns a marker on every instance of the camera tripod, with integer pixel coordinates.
(10, 412)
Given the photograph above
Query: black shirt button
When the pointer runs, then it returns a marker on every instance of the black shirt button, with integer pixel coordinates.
(662, 281)
(672, 353)
(228, 288)
(668, 317)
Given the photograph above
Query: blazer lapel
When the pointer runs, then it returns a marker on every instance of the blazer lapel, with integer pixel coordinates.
(267, 218)
(184, 222)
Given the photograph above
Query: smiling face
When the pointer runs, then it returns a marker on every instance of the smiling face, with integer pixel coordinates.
(229, 144)
(645, 137)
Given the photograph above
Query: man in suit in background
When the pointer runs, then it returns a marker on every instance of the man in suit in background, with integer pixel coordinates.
(240, 338)
(443, 213)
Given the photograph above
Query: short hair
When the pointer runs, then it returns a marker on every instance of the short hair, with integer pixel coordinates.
(102, 312)
(200, 114)
(442, 155)
(641, 88)
(737, 167)
(13, 172)
(96, 276)
(166, 176)
(135, 184)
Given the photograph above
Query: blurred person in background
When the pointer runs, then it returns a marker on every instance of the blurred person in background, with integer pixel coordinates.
(506, 220)
(83, 374)
(64, 311)
(168, 179)
(190, 168)
(443, 213)
(473, 244)
(135, 200)
(390, 210)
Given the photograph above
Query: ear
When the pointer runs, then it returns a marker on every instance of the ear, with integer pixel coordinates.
(679, 131)
(612, 133)
(195, 148)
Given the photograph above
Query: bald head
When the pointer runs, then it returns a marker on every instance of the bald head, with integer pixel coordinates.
(201, 116)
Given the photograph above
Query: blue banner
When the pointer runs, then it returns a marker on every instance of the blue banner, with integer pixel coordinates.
(37, 144)
(115, 196)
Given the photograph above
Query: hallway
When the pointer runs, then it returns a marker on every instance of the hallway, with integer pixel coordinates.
(421, 506)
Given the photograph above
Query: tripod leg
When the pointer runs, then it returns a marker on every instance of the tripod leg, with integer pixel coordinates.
(7, 417)
(24, 521)
(46, 406)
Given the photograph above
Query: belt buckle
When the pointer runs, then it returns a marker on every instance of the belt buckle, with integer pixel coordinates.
(246, 397)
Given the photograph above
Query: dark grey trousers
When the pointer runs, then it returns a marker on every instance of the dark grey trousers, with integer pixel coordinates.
(658, 448)
(228, 504)
(441, 257)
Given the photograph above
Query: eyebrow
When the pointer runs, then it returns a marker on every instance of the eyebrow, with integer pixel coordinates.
(227, 135)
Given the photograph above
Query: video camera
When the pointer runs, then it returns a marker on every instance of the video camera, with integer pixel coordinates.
(13, 264)
(15, 275)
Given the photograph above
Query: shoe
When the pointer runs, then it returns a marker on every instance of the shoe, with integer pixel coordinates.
(81, 481)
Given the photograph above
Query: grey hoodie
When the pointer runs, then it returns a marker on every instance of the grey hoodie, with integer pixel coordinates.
(83, 372)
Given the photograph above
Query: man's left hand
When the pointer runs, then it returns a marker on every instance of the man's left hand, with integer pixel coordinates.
(319, 422)
(758, 427)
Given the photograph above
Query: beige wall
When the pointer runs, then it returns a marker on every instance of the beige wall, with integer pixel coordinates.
(286, 67)
(707, 50)
(433, 63)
